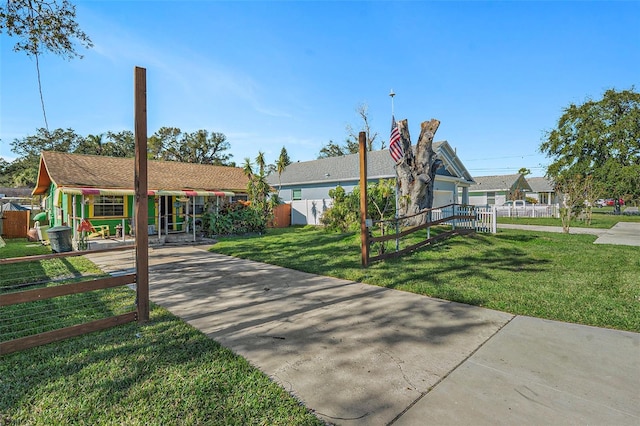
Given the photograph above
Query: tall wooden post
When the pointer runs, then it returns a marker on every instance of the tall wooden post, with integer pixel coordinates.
(364, 233)
(141, 202)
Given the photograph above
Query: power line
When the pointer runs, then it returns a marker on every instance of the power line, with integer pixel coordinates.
(501, 158)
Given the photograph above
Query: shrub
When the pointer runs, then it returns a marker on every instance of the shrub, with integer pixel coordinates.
(234, 219)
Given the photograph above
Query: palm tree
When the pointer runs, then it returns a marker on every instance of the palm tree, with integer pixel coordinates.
(261, 163)
(93, 144)
(281, 164)
(247, 168)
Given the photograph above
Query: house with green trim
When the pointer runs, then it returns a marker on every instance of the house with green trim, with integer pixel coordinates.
(498, 189)
(100, 189)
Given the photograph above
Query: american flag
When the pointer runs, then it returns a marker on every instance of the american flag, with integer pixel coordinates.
(395, 147)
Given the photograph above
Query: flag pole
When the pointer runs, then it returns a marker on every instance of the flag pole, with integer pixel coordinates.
(392, 94)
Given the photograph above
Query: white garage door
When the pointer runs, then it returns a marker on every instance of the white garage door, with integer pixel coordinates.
(442, 198)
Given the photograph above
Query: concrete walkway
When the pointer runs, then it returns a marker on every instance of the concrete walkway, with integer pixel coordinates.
(364, 355)
(622, 233)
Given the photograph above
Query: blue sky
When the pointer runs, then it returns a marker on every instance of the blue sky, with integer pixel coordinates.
(273, 74)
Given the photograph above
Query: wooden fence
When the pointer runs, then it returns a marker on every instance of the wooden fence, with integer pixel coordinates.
(281, 216)
(140, 278)
(15, 224)
(56, 291)
(462, 220)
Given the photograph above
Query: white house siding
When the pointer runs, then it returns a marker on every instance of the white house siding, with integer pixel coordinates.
(317, 191)
(308, 212)
(478, 200)
(481, 200)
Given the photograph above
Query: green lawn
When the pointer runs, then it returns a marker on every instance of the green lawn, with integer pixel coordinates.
(601, 218)
(545, 275)
(162, 372)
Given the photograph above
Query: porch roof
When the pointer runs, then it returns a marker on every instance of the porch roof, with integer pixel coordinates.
(151, 192)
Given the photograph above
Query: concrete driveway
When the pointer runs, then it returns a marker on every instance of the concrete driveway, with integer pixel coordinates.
(622, 233)
(365, 355)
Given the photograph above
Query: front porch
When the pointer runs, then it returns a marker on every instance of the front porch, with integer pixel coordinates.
(178, 239)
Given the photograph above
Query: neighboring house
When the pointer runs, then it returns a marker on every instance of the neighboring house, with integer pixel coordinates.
(497, 190)
(101, 189)
(8, 194)
(542, 189)
(20, 196)
(311, 181)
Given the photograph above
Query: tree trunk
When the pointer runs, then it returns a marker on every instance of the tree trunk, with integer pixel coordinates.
(416, 172)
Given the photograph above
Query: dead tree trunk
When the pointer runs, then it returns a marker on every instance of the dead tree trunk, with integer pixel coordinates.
(416, 172)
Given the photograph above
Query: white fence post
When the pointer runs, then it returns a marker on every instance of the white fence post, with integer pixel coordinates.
(494, 220)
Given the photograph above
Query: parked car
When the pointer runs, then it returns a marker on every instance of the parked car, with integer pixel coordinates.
(612, 202)
(601, 202)
(515, 203)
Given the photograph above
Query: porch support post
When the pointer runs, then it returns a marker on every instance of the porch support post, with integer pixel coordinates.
(166, 215)
(73, 218)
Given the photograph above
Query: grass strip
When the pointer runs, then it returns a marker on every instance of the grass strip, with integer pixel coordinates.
(162, 372)
(158, 373)
(545, 275)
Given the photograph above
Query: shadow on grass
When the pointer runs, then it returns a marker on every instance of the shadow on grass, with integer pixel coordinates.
(520, 238)
(158, 372)
(433, 270)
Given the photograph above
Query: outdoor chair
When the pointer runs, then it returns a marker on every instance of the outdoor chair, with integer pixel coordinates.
(94, 230)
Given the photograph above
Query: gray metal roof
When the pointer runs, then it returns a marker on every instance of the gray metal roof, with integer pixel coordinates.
(540, 184)
(347, 168)
(495, 183)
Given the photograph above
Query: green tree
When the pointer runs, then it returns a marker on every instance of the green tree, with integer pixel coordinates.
(44, 140)
(92, 144)
(344, 213)
(160, 140)
(24, 169)
(120, 144)
(43, 26)
(258, 190)
(332, 149)
(598, 140)
(5, 176)
(199, 147)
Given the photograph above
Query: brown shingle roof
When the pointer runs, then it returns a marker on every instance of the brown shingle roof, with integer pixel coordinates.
(76, 170)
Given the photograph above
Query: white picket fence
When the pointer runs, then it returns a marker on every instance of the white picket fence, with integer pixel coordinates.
(308, 212)
(529, 210)
(485, 218)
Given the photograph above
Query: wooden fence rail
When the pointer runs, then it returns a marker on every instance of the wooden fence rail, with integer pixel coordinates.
(44, 293)
(462, 218)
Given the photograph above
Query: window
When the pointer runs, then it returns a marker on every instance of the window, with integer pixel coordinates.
(491, 198)
(297, 194)
(108, 205)
(199, 205)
